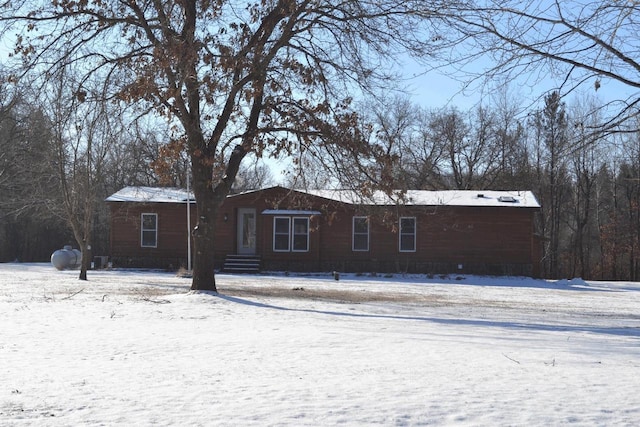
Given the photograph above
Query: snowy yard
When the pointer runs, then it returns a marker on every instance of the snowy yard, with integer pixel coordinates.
(135, 348)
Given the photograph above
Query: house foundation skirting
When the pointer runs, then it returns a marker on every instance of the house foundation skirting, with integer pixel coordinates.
(346, 266)
(168, 263)
(397, 266)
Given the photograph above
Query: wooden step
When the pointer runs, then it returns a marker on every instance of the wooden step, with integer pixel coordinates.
(235, 263)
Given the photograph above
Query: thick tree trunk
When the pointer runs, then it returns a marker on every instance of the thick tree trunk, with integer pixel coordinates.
(203, 265)
(203, 243)
(204, 231)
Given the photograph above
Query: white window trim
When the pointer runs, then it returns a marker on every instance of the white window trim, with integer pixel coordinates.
(400, 234)
(293, 233)
(142, 230)
(353, 234)
(276, 218)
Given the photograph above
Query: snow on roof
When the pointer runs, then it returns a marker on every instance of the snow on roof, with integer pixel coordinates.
(522, 199)
(151, 195)
(516, 199)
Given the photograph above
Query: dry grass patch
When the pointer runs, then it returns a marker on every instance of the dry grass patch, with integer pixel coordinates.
(334, 295)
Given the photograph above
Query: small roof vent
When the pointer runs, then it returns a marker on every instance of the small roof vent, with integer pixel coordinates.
(480, 196)
(507, 199)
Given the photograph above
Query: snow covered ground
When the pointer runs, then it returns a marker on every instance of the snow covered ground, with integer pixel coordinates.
(136, 348)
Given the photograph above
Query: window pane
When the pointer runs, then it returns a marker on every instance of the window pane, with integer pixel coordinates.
(248, 230)
(407, 225)
(149, 238)
(360, 242)
(282, 225)
(300, 225)
(407, 242)
(281, 242)
(300, 242)
(148, 222)
(300, 234)
(360, 225)
(281, 234)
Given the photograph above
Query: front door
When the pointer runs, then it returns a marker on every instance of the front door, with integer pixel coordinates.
(246, 231)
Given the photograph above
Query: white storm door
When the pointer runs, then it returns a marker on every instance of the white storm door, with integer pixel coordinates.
(246, 231)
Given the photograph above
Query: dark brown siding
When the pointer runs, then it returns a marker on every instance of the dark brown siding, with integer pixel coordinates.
(483, 240)
(488, 240)
(126, 248)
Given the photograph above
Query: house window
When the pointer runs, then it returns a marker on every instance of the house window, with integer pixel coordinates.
(300, 234)
(281, 229)
(360, 233)
(290, 234)
(149, 230)
(407, 234)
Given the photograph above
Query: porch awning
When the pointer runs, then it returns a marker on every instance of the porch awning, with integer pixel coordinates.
(288, 212)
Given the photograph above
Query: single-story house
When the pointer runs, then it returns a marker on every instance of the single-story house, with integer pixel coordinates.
(281, 229)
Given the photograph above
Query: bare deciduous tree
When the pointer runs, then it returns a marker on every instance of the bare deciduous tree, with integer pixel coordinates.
(568, 43)
(82, 134)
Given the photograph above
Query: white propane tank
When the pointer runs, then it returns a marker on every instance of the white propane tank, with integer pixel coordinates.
(66, 259)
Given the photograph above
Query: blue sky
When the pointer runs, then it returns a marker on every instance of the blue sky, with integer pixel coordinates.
(438, 88)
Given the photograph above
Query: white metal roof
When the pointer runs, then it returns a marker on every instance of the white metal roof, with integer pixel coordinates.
(521, 199)
(514, 199)
(151, 195)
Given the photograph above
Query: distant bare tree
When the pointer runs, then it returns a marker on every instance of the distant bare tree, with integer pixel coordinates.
(424, 165)
(311, 172)
(586, 163)
(253, 176)
(142, 156)
(550, 150)
(400, 128)
(510, 138)
(469, 146)
(83, 130)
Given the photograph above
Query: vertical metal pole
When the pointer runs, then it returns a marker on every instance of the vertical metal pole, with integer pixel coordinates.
(188, 223)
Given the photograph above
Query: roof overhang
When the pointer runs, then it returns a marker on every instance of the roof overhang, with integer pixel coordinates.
(289, 212)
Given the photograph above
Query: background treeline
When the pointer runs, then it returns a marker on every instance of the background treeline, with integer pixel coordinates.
(586, 180)
(35, 169)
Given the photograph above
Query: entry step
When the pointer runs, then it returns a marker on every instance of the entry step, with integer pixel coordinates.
(241, 264)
